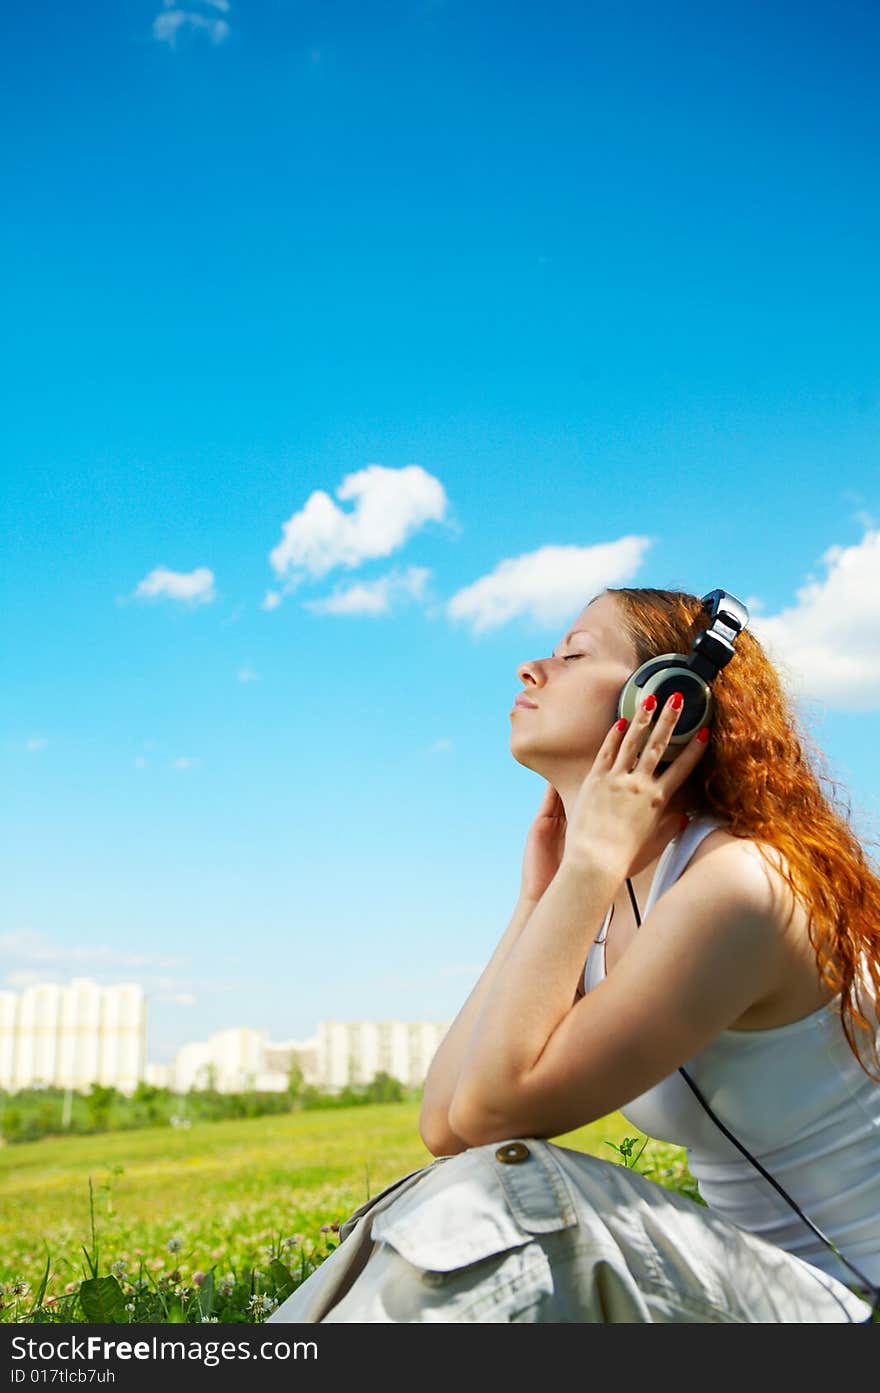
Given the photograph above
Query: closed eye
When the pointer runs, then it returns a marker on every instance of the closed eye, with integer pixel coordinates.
(568, 656)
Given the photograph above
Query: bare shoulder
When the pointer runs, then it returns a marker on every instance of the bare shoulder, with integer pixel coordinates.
(756, 872)
(756, 867)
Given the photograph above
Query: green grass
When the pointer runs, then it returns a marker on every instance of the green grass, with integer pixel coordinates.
(229, 1193)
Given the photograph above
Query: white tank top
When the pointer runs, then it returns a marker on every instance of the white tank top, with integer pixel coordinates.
(794, 1096)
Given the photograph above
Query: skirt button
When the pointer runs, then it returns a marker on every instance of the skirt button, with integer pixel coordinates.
(514, 1151)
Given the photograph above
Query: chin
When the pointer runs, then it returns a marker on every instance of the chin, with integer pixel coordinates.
(529, 759)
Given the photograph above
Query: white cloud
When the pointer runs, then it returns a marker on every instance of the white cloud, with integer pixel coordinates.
(452, 971)
(390, 505)
(548, 586)
(26, 945)
(167, 25)
(247, 674)
(184, 762)
(194, 587)
(272, 600)
(372, 598)
(158, 986)
(828, 644)
(140, 762)
(20, 981)
(439, 745)
(36, 742)
(235, 615)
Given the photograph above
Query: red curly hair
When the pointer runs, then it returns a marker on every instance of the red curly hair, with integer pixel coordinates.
(760, 776)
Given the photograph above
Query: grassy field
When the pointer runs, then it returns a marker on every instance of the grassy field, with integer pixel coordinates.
(243, 1202)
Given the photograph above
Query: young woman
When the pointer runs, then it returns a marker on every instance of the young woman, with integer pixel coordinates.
(716, 912)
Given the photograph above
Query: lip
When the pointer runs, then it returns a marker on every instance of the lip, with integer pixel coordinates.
(524, 701)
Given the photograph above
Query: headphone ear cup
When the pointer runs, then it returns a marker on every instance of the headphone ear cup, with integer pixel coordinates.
(662, 676)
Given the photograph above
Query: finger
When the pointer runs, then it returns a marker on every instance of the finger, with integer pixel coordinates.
(609, 751)
(632, 744)
(659, 735)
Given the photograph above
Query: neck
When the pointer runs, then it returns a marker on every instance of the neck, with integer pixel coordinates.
(641, 876)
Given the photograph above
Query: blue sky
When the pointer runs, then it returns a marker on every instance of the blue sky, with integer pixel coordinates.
(349, 350)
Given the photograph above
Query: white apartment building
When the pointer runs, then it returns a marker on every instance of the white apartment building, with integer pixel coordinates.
(353, 1052)
(73, 1036)
(340, 1053)
(230, 1061)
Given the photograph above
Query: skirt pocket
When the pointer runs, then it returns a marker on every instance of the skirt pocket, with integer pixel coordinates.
(464, 1242)
(483, 1201)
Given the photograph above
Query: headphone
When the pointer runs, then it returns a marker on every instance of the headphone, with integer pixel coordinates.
(691, 675)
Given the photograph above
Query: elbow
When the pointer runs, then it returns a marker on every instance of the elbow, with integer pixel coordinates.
(438, 1134)
(460, 1120)
(477, 1123)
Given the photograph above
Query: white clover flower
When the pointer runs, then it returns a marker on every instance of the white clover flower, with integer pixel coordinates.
(118, 1268)
(129, 1306)
(288, 1243)
(20, 1288)
(174, 1245)
(262, 1304)
(226, 1286)
(210, 1320)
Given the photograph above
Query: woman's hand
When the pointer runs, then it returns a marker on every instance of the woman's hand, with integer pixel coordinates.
(622, 805)
(545, 844)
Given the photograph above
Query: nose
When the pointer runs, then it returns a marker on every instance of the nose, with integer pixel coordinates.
(531, 673)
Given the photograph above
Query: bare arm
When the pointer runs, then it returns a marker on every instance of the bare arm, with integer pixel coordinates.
(443, 1075)
(710, 948)
(543, 852)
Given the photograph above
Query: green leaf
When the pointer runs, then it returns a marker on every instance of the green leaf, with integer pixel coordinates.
(38, 1299)
(206, 1294)
(175, 1314)
(102, 1301)
(284, 1283)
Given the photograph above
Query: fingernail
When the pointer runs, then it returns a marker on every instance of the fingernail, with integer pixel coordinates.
(676, 701)
(703, 735)
(649, 703)
(622, 723)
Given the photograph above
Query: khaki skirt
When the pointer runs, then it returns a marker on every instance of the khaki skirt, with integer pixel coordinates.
(525, 1230)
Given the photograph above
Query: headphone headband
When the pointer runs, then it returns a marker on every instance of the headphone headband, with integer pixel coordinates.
(713, 649)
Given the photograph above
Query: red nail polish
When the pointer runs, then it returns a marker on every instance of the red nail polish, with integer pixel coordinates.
(677, 701)
(649, 703)
(703, 735)
(622, 723)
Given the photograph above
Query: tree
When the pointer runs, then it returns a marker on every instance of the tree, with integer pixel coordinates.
(295, 1079)
(99, 1102)
(384, 1088)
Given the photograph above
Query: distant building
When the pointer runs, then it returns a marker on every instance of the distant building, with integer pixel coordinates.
(230, 1061)
(73, 1036)
(281, 1058)
(340, 1053)
(353, 1052)
(83, 1033)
